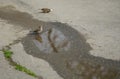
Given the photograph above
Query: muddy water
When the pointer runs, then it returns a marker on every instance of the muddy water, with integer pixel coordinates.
(75, 63)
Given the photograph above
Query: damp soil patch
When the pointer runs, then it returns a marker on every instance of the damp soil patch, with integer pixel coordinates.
(63, 47)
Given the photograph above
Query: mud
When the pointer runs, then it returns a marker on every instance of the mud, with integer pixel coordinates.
(76, 63)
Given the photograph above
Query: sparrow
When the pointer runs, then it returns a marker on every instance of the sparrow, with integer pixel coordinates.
(46, 10)
(39, 30)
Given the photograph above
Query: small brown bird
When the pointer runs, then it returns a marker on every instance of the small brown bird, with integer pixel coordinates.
(39, 30)
(46, 10)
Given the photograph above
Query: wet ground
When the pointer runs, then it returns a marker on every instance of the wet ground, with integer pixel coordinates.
(73, 63)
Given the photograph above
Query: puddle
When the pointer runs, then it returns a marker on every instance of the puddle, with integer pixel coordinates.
(76, 62)
(63, 47)
(52, 41)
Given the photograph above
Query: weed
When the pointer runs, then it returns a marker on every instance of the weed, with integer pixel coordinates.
(7, 53)
(24, 69)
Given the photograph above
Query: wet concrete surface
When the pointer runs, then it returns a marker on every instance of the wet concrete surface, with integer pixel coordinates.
(75, 63)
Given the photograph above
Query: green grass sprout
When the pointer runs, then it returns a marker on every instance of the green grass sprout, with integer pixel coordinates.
(7, 53)
(24, 69)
